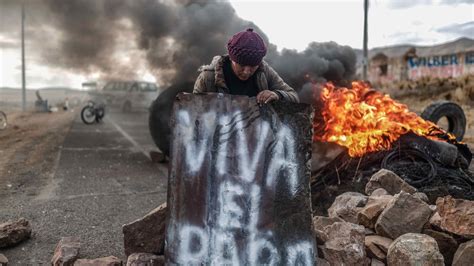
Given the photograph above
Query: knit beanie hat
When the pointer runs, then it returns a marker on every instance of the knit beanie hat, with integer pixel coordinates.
(246, 48)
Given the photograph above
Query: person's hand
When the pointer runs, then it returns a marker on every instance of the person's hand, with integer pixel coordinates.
(267, 96)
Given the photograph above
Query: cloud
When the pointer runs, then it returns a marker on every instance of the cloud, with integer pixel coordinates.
(456, 2)
(464, 29)
(408, 38)
(401, 4)
(9, 44)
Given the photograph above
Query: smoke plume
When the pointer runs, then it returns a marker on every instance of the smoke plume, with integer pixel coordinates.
(170, 39)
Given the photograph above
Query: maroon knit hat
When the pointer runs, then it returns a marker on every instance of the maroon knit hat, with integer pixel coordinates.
(246, 48)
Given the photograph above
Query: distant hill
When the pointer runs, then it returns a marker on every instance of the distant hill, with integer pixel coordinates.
(58, 88)
(459, 45)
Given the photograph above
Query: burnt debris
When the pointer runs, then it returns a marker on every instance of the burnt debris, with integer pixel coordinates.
(434, 168)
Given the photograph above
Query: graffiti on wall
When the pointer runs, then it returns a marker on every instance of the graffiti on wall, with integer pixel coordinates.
(239, 183)
(443, 66)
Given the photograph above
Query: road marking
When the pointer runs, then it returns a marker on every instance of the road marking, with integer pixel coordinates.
(95, 149)
(48, 191)
(107, 194)
(128, 137)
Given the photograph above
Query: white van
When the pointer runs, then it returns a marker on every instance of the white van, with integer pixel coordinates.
(130, 95)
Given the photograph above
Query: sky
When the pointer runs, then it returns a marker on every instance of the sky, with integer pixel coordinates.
(293, 24)
(287, 24)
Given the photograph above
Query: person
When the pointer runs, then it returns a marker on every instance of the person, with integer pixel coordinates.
(244, 72)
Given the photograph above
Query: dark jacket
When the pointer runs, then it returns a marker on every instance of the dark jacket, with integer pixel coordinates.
(211, 79)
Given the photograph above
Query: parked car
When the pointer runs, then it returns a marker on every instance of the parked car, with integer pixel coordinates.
(129, 95)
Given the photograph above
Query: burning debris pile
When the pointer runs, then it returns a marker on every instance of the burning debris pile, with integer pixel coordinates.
(378, 132)
(391, 165)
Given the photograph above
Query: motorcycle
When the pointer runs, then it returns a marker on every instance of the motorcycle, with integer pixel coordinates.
(93, 113)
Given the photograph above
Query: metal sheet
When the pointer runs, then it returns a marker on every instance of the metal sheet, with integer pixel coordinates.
(238, 189)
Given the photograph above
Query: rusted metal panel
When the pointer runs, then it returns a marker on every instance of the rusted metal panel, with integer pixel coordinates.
(238, 189)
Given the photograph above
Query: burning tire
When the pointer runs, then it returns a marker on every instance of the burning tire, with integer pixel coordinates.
(453, 113)
(160, 112)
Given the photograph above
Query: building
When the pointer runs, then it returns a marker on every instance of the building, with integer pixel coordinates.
(409, 62)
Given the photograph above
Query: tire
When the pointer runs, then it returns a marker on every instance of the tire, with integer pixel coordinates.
(3, 120)
(160, 112)
(88, 115)
(453, 113)
(100, 113)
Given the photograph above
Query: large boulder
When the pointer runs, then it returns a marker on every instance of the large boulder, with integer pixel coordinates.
(389, 181)
(403, 214)
(377, 246)
(3, 260)
(376, 262)
(66, 252)
(319, 225)
(422, 196)
(106, 261)
(368, 215)
(320, 222)
(435, 221)
(446, 243)
(347, 205)
(345, 244)
(414, 249)
(146, 235)
(457, 216)
(464, 255)
(379, 192)
(322, 262)
(13, 233)
(141, 259)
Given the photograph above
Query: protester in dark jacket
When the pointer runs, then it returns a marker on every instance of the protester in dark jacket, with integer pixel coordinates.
(243, 72)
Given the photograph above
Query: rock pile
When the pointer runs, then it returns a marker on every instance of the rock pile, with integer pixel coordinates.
(394, 225)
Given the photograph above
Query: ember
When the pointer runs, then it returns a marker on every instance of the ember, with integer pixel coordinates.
(365, 120)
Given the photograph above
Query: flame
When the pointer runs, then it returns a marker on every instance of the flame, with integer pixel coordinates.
(365, 120)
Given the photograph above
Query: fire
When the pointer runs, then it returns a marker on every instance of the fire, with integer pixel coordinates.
(365, 120)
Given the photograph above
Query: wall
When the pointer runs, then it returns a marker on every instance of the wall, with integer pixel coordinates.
(441, 66)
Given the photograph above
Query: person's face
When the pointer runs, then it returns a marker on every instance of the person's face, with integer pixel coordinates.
(243, 72)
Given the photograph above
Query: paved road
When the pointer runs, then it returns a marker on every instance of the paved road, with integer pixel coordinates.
(103, 180)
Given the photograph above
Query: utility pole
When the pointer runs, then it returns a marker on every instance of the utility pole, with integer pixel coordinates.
(365, 60)
(23, 87)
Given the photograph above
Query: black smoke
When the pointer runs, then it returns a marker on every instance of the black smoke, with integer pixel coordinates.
(169, 38)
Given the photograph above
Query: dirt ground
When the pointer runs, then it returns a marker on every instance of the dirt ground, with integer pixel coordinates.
(72, 179)
(29, 147)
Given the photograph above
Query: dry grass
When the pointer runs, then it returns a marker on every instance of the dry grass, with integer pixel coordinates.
(460, 89)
